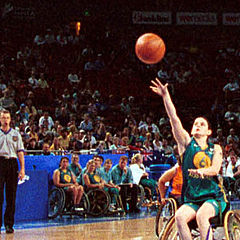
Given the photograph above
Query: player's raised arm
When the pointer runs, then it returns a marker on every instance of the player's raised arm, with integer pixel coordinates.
(180, 134)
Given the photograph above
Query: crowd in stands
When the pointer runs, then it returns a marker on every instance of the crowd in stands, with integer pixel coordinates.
(69, 92)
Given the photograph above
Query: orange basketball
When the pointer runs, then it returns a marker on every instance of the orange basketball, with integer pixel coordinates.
(150, 48)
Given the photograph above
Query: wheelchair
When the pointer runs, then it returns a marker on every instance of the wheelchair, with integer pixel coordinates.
(229, 220)
(99, 201)
(140, 197)
(164, 214)
(149, 201)
(60, 203)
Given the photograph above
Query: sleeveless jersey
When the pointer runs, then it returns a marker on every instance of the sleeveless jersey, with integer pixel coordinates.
(177, 182)
(65, 176)
(196, 189)
(94, 178)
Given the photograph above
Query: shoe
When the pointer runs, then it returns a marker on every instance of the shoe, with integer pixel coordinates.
(9, 229)
(78, 209)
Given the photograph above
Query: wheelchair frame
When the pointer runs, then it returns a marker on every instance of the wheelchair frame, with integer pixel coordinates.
(230, 221)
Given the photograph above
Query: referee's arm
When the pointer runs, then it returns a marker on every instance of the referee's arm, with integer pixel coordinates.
(21, 173)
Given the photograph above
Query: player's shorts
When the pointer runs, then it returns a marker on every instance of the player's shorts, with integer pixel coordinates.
(217, 204)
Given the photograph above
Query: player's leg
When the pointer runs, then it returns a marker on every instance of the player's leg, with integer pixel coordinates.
(184, 215)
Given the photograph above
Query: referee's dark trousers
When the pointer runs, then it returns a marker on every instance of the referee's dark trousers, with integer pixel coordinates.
(9, 179)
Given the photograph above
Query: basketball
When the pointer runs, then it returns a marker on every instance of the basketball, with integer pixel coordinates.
(150, 48)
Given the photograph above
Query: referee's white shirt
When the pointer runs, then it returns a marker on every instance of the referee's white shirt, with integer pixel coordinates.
(10, 143)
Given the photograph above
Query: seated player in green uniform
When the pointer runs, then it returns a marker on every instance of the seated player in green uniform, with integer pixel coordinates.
(64, 178)
(92, 179)
(202, 193)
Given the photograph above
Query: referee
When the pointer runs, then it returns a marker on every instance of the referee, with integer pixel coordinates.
(11, 148)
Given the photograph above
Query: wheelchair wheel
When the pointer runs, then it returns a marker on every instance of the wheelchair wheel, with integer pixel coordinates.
(165, 212)
(99, 202)
(141, 196)
(232, 225)
(170, 232)
(85, 204)
(237, 188)
(56, 202)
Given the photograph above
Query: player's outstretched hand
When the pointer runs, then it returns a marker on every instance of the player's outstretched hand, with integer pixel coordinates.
(159, 88)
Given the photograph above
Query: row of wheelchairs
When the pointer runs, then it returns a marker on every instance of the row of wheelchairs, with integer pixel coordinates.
(95, 202)
(166, 229)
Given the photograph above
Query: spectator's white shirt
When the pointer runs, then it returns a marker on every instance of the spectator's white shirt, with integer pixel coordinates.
(50, 122)
(93, 141)
(229, 169)
(137, 172)
(231, 87)
(33, 81)
(73, 78)
(153, 126)
(156, 147)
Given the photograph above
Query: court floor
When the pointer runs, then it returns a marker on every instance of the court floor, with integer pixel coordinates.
(131, 227)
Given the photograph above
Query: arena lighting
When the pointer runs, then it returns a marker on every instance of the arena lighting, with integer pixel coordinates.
(78, 27)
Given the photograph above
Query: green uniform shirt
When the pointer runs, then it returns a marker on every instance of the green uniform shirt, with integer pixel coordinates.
(196, 189)
(65, 176)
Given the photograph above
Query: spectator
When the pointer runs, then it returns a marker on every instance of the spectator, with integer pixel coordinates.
(47, 119)
(42, 82)
(101, 148)
(150, 126)
(115, 145)
(147, 146)
(108, 140)
(23, 114)
(30, 109)
(63, 117)
(7, 102)
(230, 116)
(56, 147)
(125, 107)
(122, 176)
(232, 165)
(32, 80)
(86, 124)
(64, 139)
(140, 176)
(32, 147)
(174, 157)
(157, 144)
(233, 136)
(33, 132)
(46, 150)
(75, 167)
(168, 150)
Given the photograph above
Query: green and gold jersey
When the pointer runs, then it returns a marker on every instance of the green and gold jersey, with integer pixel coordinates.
(196, 189)
(65, 176)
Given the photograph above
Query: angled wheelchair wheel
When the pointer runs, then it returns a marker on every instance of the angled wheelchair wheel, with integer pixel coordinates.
(85, 204)
(165, 212)
(232, 225)
(237, 188)
(170, 232)
(141, 196)
(56, 202)
(99, 202)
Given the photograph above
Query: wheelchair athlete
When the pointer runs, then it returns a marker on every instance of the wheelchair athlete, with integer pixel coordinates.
(174, 176)
(202, 194)
(64, 178)
(94, 180)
